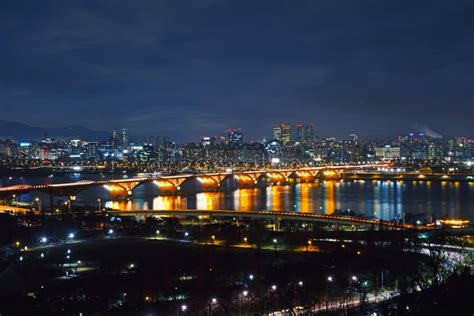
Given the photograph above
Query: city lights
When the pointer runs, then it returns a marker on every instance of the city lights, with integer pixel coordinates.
(236, 158)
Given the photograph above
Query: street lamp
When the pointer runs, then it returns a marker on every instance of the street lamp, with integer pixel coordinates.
(244, 294)
(38, 201)
(68, 203)
(99, 204)
(212, 301)
(70, 236)
(275, 243)
(181, 308)
(330, 280)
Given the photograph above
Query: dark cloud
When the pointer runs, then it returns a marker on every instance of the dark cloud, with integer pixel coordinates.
(189, 68)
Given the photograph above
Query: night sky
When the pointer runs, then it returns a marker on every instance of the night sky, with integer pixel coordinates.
(191, 68)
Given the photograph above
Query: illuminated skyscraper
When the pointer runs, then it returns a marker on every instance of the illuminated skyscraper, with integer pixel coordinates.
(285, 133)
(309, 133)
(125, 137)
(235, 136)
(277, 132)
(300, 133)
(282, 133)
(114, 139)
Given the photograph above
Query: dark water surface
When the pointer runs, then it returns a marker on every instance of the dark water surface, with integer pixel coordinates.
(382, 199)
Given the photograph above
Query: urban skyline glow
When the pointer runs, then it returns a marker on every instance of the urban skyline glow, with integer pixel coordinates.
(193, 68)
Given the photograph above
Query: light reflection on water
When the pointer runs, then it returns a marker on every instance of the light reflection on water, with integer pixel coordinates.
(382, 199)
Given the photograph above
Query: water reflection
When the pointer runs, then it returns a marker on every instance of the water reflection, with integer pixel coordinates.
(246, 199)
(383, 199)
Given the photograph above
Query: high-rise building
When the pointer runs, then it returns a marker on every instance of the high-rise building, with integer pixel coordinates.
(114, 139)
(300, 133)
(309, 133)
(282, 133)
(285, 133)
(277, 132)
(235, 136)
(125, 137)
(304, 133)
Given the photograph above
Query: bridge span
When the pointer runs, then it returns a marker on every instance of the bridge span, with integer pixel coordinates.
(275, 216)
(209, 182)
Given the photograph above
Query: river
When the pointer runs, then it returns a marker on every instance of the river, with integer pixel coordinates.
(382, 199)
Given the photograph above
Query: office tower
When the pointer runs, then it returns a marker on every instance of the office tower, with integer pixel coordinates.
(282, 133)
(300, 133)
(309, 133)
(235, 136)
(125, 137)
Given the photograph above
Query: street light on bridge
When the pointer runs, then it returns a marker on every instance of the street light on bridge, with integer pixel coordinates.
(38, 201)
(15, 199)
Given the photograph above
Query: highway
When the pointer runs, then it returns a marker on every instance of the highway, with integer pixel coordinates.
(274, 215)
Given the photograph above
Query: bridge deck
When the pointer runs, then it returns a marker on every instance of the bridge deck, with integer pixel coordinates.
(282, 215)
(70, 188)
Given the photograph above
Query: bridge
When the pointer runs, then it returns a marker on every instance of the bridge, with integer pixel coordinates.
(407, 176)
(209, 182)
(276, 216)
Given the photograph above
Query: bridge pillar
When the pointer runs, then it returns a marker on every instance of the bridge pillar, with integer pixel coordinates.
(123, 189)
(246, 180)
(329, 174)
(169, 186)
(304, 176)
(211, 183)
(276, 178)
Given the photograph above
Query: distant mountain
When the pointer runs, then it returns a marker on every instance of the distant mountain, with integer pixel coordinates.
(22, 131)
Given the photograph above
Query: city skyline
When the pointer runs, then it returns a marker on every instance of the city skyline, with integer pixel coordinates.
(20, 131)
(374, 69)
(229, 157)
